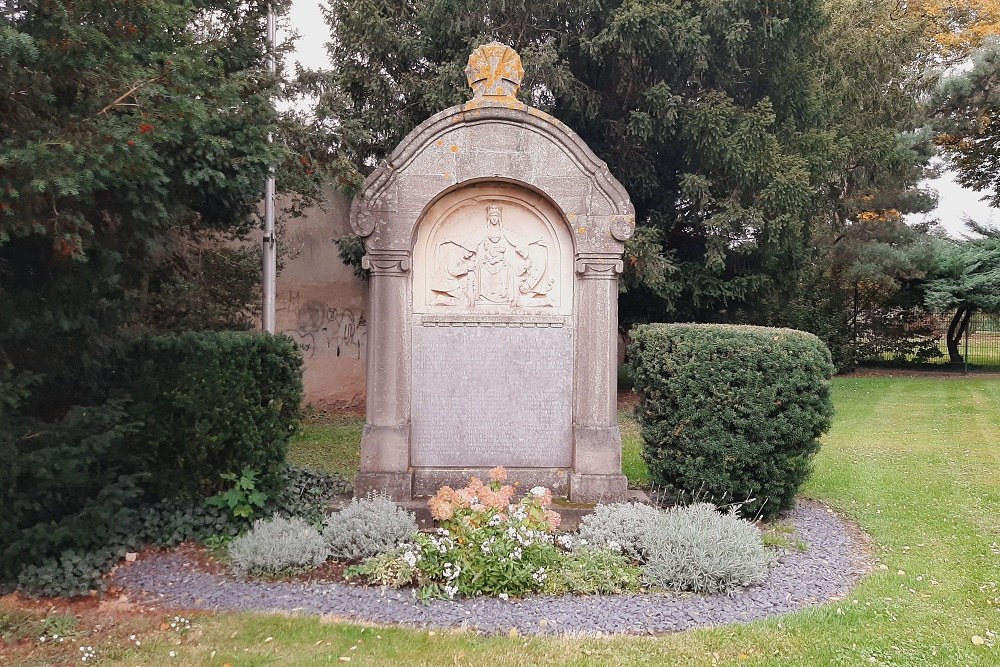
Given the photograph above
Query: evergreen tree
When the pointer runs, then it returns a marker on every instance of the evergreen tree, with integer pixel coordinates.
(965, 109)
(967, 279)
(744, 132)
(133, 139)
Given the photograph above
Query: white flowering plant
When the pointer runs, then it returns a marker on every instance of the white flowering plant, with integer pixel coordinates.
(485, 544)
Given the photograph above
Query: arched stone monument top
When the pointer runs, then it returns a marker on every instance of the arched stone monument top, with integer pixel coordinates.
(493, 137)
(494, 238)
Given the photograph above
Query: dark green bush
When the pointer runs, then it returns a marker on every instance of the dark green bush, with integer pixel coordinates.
(212, 403)
(66, 485)
(731, 413)
(169, 415)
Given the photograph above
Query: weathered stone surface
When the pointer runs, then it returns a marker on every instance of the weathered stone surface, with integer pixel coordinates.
(323, 307)
(495, 240)
(595, 489)
(492, 395)
(492, 249)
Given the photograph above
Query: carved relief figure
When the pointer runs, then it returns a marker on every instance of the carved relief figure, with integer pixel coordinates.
(454, 277)
(498, 268)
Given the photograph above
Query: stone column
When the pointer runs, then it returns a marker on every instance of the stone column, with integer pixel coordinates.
(385, 441)
(597, 451)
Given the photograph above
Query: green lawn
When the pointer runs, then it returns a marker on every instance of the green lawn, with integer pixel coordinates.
(328, 443)
(915, 462)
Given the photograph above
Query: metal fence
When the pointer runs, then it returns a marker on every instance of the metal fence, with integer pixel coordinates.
(920, 338)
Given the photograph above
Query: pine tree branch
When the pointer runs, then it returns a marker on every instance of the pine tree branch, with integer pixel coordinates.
(128, 93)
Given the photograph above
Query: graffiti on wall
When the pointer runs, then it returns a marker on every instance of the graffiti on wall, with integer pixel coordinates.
(322, 330)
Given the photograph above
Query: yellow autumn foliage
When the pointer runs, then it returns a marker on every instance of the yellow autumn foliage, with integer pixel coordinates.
(957, 26)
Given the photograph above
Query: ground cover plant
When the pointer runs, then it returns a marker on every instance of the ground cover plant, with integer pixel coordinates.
(913, 461)
(685, 548)
(489, 542)
(192, 414)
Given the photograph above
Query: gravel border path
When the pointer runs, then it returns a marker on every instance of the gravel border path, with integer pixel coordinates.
(836, 558)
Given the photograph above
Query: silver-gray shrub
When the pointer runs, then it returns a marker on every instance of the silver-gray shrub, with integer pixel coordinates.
(619, 523)
(368, 527)
(278, 545)
(697, 548)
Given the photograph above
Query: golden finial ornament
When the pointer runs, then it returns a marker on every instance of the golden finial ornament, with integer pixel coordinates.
(495, 71)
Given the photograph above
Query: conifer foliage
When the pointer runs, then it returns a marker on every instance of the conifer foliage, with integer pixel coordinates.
(737, 128)
(133, 153)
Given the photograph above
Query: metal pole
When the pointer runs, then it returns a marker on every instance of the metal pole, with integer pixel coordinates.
(270, 253)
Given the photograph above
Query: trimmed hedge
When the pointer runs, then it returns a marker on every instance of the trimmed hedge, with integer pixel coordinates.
(167, 417)
(731, 413)
(213, 403)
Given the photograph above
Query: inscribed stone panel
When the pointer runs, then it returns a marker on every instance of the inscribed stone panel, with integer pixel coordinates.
(495, 394)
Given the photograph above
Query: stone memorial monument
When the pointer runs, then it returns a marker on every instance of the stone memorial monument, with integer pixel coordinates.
(494, 241)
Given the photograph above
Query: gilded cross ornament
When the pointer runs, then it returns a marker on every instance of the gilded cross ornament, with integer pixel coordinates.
(495, 70)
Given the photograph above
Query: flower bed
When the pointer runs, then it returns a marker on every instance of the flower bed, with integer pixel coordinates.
(489, 542)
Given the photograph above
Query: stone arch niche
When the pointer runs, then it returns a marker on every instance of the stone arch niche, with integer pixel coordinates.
(494, 241)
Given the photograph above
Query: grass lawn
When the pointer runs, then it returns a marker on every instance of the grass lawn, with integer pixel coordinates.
(915, 462)
(328, 443)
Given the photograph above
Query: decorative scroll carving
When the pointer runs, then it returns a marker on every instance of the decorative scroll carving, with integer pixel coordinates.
(493, 267)
(364, 221)
(386, 262)
(495, 70)
(622, 227)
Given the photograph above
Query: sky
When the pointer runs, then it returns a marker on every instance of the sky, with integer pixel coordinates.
(954, 203)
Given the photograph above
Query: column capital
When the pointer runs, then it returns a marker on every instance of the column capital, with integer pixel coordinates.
(599, 265)
(387, 262)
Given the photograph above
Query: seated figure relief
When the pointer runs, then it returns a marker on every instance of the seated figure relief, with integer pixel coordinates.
(495, 267)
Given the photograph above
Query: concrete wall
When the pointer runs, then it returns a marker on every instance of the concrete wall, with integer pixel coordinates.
(323, 306)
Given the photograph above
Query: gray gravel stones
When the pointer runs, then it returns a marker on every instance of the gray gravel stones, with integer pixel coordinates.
(835, 560)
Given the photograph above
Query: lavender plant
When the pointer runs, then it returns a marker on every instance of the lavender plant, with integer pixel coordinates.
(368, 527)
(277, 546)
(697, 548)
(618, 527)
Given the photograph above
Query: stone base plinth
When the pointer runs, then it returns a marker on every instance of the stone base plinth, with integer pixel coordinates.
(397, 485)
(598, 450)
(597, 488)
(427, 481)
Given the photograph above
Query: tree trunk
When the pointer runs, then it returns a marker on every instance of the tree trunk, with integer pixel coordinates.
(956, 330)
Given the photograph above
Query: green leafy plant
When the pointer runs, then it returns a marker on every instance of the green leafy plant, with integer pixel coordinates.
(77, 571)
(221, 401)
(243, 498)
(60, 625)
(308, 494)
(17, 624)
(386, 569)
(591, 571)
